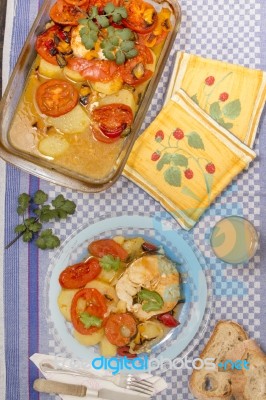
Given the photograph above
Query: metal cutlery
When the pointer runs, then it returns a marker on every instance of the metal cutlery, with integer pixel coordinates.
(128, 381)
(50, 386)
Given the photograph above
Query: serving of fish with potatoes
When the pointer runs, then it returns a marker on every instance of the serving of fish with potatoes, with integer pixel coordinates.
(122, 296)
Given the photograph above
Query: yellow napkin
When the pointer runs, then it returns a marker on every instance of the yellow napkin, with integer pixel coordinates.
(185, 159)
(231, 94)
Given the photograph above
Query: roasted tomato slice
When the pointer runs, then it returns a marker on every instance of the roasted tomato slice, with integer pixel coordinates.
(119, 328)
(141, 16)
(112, 119)
(56, 97)
(45, 44)
(90, 302)
(78, 275)
(103, 247)
(95, 70)
(102, 3)
(76, 2)
(67, 14)
(160, 31)
(100, 137)
(136, 70)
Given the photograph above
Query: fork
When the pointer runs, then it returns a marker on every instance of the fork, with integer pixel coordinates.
(127, 381)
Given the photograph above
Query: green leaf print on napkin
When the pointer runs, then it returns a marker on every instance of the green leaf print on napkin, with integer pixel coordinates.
(195, 141)
(232, 110)
(173, 176)
(182, 162)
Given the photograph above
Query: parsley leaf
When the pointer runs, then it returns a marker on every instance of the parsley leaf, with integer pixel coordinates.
(151, 300)
(119, 45)
(90, 320)
(32, 226)
(109, 263)
(47, 240)
(40, 197)
(63, 206)
(23, 203)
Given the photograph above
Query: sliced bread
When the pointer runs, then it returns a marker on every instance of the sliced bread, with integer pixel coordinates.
(249, 384)
(216, 385)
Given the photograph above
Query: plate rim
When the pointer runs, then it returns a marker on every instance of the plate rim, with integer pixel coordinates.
(121, 221)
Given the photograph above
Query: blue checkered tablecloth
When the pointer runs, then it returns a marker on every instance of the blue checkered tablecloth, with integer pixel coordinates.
(228, 30)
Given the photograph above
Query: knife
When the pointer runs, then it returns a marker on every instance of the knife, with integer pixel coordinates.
(49, 386)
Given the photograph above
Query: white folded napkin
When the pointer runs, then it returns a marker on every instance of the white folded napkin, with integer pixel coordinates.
(92, 384)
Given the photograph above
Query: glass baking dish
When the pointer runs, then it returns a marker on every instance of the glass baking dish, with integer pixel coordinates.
(44, 168)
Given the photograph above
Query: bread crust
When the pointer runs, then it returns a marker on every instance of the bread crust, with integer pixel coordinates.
(216, 385)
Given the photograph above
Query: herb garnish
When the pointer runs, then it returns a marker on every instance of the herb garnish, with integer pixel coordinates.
(89, 320)
(32, 225)
(118, 44)
(109, 263)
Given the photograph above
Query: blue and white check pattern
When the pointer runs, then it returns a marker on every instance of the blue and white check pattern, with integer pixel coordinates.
(226, 30)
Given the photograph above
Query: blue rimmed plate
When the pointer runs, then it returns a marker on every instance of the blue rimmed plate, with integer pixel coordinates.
(193, 314)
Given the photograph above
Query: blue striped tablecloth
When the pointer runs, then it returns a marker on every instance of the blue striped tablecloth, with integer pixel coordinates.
(228, 30)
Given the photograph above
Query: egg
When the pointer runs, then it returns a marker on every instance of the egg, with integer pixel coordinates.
(152, 272)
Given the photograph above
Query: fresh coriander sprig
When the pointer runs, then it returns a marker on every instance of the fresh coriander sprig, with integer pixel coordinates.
(31, 226)
(119, 45)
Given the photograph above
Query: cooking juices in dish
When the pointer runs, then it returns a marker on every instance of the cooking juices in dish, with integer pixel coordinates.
(121, 297)
(95, 59)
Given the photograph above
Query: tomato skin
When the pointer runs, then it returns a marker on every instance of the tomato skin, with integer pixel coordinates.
(45, 45)
(102, 3)
(56, 97)
(124, 352)
(113, 118)
(103, 247)
(100, 137)
(78, 275)
(135, 21)
(76, 2)
(95, 305)
(112, 133)
(113, 328)
(67, 14)
(168, 320)
(144, 57)
(95, 70)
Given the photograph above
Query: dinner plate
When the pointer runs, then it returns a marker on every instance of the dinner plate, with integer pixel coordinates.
(193, 314)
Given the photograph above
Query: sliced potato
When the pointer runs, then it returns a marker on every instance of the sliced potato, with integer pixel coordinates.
(119, 239)
(124, 96)
(64, 301)
(53, 145)
(89, 340)
(121, 307)
(140, 89)
(73, 75)
(107, 349)
(152, 66)
(108, 87)
(133, 246)
(49, 70)
(107, 276)
(151, 330)
(112, 276)
(74, 121)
